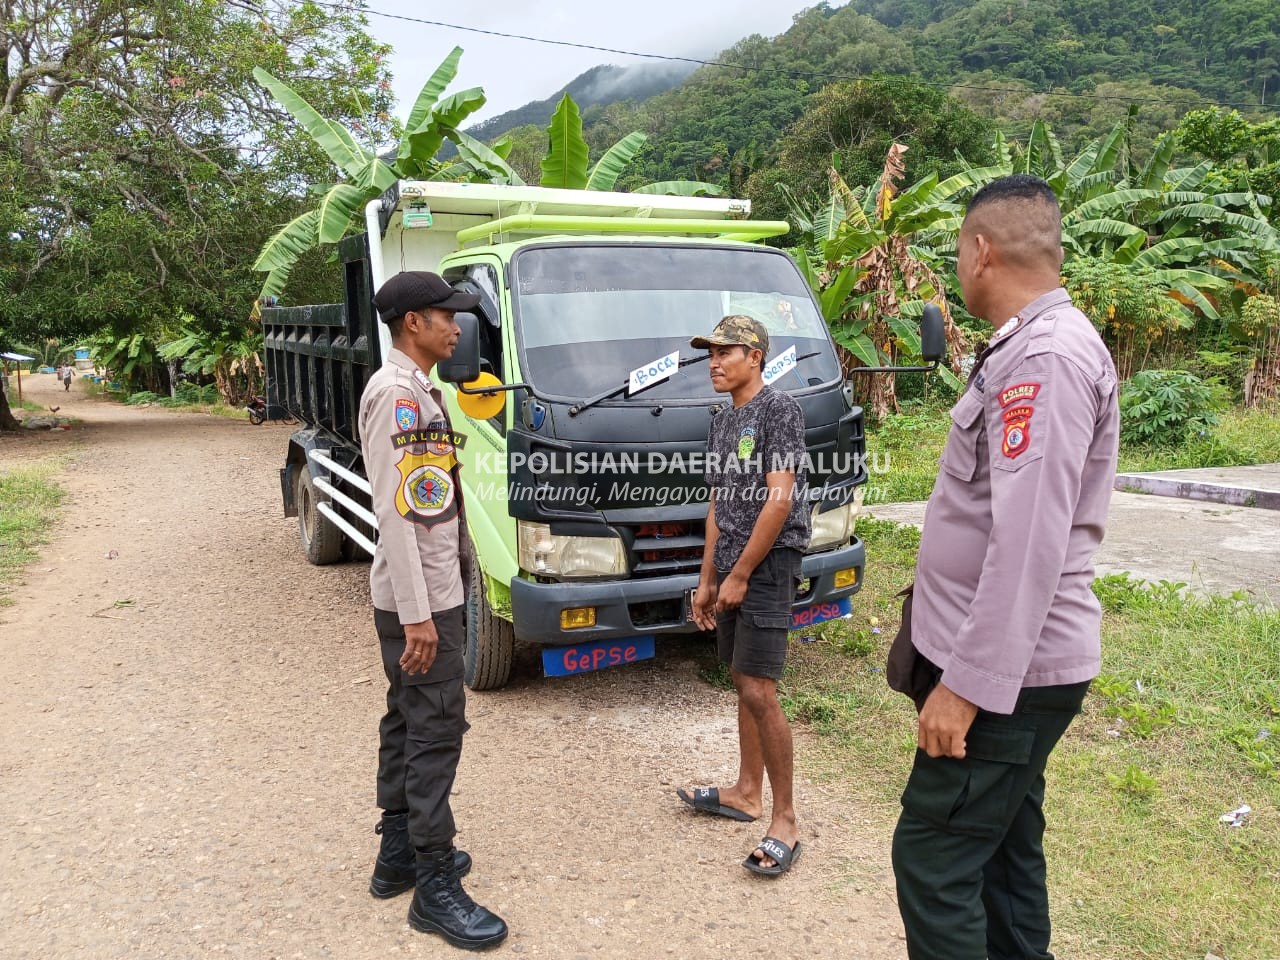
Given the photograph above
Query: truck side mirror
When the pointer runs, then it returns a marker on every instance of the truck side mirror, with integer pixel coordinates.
(464, 365)
(933, 337)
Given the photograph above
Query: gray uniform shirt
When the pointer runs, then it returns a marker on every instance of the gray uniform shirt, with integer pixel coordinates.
(409, 456)
(764, 435)
(1002, 596)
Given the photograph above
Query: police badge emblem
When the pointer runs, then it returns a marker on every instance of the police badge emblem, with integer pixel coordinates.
(1017, 431)
(406, 414)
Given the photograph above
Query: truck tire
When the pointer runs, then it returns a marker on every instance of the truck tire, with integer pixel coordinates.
(490, 642)
(321, 540)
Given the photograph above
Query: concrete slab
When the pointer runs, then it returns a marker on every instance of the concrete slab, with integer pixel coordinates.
(1252, 486)
(1213, 548)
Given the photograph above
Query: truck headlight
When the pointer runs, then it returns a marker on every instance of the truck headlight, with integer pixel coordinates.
(834, 528)
(543, 553)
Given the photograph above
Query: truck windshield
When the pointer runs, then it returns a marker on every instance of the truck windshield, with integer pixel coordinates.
(589, 315)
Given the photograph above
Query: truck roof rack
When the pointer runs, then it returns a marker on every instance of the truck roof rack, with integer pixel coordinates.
(545, 224)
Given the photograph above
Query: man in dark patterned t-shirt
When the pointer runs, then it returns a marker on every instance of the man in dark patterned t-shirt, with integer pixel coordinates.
(757, 530)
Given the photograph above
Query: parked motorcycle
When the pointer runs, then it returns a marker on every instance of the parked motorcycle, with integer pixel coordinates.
(260, 411)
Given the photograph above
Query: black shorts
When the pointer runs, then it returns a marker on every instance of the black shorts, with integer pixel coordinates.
(753, 638)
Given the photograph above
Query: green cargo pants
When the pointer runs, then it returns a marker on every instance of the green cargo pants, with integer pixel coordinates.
(968, 853)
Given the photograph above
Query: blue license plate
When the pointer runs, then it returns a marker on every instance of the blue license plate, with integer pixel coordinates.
(597, 655)
(820, 613)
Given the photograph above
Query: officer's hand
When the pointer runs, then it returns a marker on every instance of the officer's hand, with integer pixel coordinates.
(420, 641)
(733, 590)
(704, 605)
(944, 722)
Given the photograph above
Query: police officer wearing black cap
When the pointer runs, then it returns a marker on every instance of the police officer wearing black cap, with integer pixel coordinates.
(416, 584)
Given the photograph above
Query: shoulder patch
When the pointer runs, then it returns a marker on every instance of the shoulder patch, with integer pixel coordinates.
(1025, 392)
(406, 413)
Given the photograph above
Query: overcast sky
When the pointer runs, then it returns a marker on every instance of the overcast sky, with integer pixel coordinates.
(513, 72)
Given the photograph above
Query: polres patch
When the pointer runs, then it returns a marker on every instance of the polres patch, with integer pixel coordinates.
(746, 443)
(1025, 392)
(406, 413)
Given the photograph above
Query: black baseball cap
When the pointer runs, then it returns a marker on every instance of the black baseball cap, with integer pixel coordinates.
(417, 290)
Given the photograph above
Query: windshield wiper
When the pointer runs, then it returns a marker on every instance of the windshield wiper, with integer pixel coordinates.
(585, 405)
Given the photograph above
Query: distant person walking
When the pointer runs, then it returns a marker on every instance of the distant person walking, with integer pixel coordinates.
(66, 377)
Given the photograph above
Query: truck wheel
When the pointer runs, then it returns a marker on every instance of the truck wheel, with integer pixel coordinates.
(321, 540)
(490, 645)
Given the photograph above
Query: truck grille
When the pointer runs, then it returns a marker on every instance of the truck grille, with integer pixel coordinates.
(662, 549)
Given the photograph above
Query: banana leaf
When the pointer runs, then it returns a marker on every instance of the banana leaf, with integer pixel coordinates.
(339, 206)
(289, 242)
(565, 164)
(1108, 203)
(1168, 252)
(680, 188)
(425, 141)
(483, 160)
(1157, 165)
(860, 345)
(975, 177)
(332, 137)
(1188, 178)
(834, 299)
(907, 333)
(1106, 227)
(604, 175)
(428, 96)
(376, 176)
(503, 146)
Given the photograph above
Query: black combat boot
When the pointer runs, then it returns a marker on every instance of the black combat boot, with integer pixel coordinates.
(396, 870)
(440, 905)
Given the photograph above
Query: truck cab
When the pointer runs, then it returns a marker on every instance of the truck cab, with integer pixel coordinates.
(584, 408)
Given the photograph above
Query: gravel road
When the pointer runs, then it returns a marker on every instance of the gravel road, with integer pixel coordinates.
(187, 766)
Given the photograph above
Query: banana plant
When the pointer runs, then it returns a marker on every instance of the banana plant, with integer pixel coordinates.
(567, 165)
(433, 119)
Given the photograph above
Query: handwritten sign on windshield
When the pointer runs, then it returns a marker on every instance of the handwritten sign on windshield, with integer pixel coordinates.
(784, 362)
(655, 372)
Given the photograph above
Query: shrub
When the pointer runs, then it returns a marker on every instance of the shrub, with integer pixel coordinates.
(1168, 407)
(141, 397)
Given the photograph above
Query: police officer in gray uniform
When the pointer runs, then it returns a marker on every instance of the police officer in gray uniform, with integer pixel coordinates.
(1001, 635)
(416, 583)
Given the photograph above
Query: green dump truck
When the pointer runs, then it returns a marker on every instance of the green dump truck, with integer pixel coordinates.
(585, 410)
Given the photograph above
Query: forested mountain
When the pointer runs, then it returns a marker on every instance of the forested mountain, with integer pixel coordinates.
(599, 86)
(947, 72)
(1224, 49)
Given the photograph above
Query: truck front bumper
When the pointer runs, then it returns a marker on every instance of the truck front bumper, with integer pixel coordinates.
(655, 605)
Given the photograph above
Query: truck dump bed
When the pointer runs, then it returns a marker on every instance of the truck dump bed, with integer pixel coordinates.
(320, 357)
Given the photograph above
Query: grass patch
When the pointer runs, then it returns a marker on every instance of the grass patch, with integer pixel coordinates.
(903, 451)
(1242, 437)
(29, 500)
(1182, 726)
(215, 408)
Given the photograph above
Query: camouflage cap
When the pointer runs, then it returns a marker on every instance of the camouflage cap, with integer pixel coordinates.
(735, 330)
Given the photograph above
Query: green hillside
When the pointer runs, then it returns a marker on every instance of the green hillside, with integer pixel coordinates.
(1076, 64)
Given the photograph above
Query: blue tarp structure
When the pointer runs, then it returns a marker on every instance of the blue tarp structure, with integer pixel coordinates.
(18, 358)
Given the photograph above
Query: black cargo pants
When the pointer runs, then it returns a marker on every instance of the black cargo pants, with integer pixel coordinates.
(420, 736)
(968, 852)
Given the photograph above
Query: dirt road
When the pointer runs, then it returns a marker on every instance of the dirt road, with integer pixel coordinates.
(187, 762)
